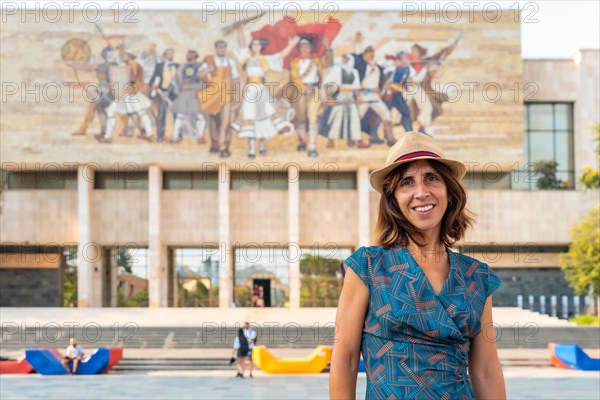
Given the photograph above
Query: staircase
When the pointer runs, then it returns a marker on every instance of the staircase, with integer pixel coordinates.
(527, 335)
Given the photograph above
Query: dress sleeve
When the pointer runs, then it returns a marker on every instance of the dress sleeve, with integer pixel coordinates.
(491, 281)
(357, 262)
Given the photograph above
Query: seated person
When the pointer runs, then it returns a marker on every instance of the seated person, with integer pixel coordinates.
(74, 354)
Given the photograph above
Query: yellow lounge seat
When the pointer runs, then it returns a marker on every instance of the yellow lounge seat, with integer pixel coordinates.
(313, 364)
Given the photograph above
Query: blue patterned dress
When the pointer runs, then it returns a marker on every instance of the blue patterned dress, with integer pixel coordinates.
(415, 343)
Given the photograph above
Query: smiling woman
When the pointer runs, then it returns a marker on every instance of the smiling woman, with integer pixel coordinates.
(416, 310)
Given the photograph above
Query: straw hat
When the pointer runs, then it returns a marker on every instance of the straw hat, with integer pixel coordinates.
(414, 146)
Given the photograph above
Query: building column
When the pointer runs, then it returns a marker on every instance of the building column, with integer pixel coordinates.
(294, 234)
(226, 252)
(364, 228)
(89, 253)
(157, 251)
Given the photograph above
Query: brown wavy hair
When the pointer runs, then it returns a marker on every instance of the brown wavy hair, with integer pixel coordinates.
(394, 230)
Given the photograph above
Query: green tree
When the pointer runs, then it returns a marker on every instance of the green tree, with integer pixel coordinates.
(124, 259)
(138, 299)
(581, 264)
(70, 276)
(590, 178)
(547, 171)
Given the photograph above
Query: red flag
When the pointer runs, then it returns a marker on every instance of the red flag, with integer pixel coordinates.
(279, 34)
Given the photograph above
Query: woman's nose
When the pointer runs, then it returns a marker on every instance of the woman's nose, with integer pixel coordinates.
(421, 190)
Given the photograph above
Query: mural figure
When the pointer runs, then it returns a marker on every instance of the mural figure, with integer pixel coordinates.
(340, 118)
(372, 79)
(190, 79)
(306, 71)
(203, 95)
(257, 109)
(100, 93)
(217, 100)
(395, 88)
(126, 76)
(424, 102)
(163, 90)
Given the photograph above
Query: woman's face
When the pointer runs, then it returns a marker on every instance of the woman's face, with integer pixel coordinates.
(422, 197)
(256, 47)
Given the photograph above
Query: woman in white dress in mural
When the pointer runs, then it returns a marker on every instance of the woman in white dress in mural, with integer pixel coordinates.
(257, 117)
(340, 118)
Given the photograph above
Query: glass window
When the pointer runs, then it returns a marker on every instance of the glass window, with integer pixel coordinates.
(197, 275)
(136, 180)
(563, 150)
(190, 180)
(205, 180)
(549, 137)
(541, 146)
(540, 117)
(129, 267)
(327, 180)
(276, 180)
(255, 180)
(108, 180)
(563, 117)
(121, 180)
(262, 277)
(320, 275)
(46, 179)
(177, 180)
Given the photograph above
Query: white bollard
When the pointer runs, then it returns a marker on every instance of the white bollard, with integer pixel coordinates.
(576, 308)
(542, 304)
(520, 301)
(565, 306)
(587, 305)
(553, 305)
(531, 303)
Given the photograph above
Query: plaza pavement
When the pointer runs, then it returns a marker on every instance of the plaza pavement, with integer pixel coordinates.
(522, 383)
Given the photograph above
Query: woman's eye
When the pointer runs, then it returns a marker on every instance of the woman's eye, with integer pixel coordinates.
(433, 178)
(405, 182)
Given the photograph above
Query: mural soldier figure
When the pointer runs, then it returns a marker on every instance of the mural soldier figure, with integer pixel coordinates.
(305, 74)
(372, 80)
(395, 88)
(101, 94)
(126, 77)
(163, 89)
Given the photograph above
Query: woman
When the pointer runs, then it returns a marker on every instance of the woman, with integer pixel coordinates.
(340, 119)
(241, 345)
(257, 111)
(419, 312)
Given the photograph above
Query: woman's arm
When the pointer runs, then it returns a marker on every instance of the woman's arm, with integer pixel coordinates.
(240, 37)
(292, 42)
(485, 371)
(349, 323)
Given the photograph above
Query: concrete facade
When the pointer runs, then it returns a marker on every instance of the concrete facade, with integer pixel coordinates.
(161, 220)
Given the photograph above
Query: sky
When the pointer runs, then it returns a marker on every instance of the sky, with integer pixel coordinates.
(549, 28)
